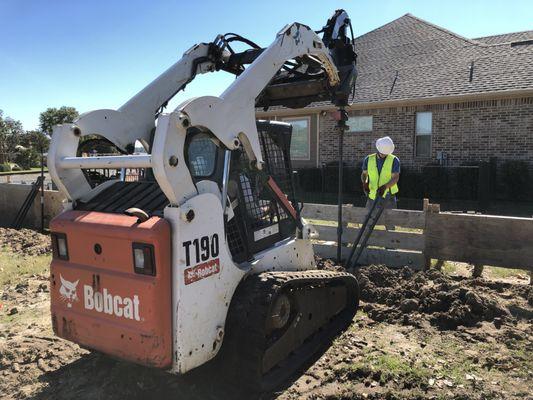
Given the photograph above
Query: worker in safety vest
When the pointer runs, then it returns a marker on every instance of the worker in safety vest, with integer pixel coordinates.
(381, 173)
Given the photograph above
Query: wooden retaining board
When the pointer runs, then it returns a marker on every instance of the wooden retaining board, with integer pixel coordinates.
(379, 238)
(480, 239)
(403, 218)
(390, 258)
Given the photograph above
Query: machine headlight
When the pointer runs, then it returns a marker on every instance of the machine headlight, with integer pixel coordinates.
(143, 258)
(60, 246)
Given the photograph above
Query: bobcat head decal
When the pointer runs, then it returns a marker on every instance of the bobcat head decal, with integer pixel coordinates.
(68, 291)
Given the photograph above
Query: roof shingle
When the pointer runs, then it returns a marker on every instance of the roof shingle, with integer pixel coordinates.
(430, 61)
(506, 37)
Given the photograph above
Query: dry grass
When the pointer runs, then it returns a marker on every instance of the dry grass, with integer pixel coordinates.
(15, 268)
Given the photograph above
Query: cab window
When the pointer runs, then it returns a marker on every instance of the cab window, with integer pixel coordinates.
(202, 155)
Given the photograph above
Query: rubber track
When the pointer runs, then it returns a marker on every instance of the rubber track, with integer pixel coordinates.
(245, 341)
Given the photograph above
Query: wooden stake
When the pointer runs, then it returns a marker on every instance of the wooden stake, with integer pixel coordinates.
(428, 209)
(478, 271)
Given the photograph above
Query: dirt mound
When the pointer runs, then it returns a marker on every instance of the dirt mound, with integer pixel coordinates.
(409, 296)
(25, 241)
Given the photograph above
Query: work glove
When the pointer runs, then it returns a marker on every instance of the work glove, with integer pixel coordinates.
(382, 190)
(366, 188)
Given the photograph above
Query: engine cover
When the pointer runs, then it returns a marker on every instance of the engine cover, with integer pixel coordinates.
(97, 298)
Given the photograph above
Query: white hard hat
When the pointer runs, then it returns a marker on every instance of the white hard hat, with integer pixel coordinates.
(385, 145)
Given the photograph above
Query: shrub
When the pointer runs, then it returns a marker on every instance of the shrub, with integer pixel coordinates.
(27, 158)
(5, 167)
(411, 183)
(465, 183)
(310, 179)
(331, 178)
(515, 179)
(436, 182)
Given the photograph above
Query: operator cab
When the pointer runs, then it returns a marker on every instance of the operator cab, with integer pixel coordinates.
(257, 220)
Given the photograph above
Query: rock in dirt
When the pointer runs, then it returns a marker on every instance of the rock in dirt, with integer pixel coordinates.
(21, 287)
(42, 365)
(408, 305)
(474, 301)
(43, 288)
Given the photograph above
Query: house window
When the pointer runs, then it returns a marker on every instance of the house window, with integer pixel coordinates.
(360, 123)
(424, 122)
(300, 141)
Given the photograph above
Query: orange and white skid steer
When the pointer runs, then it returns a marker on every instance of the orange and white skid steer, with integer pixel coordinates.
(204, 251)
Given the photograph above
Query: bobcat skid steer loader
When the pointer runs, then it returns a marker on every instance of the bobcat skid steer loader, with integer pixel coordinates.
(205, 251)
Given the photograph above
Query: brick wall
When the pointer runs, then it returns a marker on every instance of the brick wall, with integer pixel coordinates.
(466, 132)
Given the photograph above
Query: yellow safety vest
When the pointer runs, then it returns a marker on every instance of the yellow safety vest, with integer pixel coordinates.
(375, 179)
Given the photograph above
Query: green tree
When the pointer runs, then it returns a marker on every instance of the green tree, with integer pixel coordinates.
(35, 140)
(55, 116)
(28, 152)
(10, 132)
(27, 157)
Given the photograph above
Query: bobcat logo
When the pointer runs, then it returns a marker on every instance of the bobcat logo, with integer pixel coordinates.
(68, 291)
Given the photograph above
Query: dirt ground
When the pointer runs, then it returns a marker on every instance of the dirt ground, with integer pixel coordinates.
(418, 335)
(25, 241)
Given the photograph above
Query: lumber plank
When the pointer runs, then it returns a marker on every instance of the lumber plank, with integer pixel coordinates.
(480, 239)
(380, 238)
(390, 258)
(403, 218)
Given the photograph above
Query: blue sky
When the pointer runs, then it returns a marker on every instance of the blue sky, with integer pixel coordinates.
(97, 54)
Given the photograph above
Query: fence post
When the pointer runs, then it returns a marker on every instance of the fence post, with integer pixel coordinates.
(439, 264)
(483, 192)
(428, 209)
(425, 208)
(323, 182)
(478, 271)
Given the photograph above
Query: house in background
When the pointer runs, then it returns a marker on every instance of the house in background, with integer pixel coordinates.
(442, 98)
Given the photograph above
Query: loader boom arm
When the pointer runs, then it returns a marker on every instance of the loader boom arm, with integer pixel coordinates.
(230, 117)
(136, 118)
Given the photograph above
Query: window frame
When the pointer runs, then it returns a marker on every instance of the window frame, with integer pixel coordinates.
(417, 134)
(362, 116)
(308, 119)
